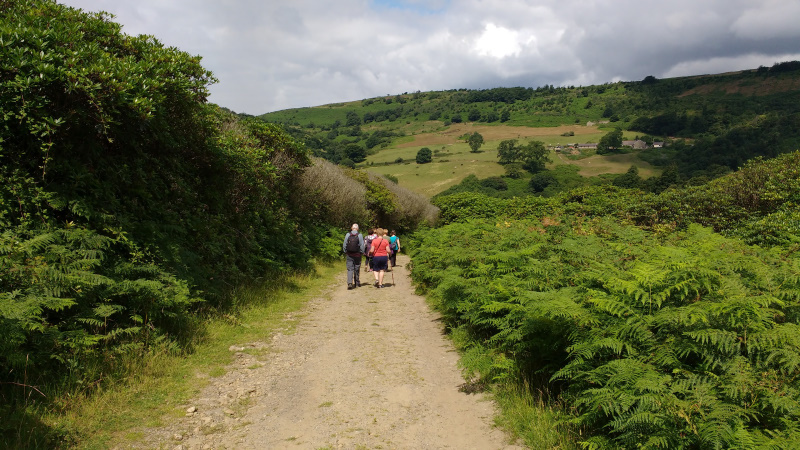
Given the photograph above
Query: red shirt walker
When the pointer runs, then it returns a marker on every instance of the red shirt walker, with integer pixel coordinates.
(380, 247)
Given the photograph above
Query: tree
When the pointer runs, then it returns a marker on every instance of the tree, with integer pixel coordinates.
(540, 181)
(629, 179)
(475, 140)
(610, 142)
(456, 118)
(508, 151)
(513, 171)
(534, 156)
(505, 116)
(474, 115)
(424, 155)
(356, 153)
(353, 119)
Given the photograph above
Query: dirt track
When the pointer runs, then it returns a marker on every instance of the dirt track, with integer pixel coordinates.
(367, 368)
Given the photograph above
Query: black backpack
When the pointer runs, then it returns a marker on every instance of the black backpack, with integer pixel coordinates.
(352, 244)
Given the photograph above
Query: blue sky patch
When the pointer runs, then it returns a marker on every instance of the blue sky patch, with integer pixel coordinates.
(421, 7)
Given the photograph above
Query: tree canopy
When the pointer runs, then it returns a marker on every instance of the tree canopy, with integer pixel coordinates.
(424, 155)
(533, 156)
(475, 141)
(610, 142)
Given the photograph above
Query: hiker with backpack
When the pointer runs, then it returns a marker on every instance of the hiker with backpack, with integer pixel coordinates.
(394, 246)
(380, 256)
(353, 247)
(367, 245)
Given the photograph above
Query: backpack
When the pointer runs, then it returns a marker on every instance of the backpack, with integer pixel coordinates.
(393, 242)
(352, 244)
(367, 244)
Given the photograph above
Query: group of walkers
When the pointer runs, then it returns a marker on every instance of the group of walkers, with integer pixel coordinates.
(379, 249)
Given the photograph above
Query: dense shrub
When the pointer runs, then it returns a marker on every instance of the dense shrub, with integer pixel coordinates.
(125, 198)
(325, 191)
(424, 156)
(338, 196)
(683, 340)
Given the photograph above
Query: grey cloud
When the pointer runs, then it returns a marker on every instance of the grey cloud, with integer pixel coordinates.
(276, 55)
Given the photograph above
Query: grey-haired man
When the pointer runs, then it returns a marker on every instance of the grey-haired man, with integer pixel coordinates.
(353, 247)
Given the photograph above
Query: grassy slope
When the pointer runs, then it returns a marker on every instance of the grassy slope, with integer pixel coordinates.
(545, 117)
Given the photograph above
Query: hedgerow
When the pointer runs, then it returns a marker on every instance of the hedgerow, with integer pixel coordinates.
(127, 203)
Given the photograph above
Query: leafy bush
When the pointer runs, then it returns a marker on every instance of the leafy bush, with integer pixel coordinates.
(495, 183)
(688, 339)
(126, 199)
(424, 155)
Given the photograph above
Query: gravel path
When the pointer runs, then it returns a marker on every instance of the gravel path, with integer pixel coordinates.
(366, 368)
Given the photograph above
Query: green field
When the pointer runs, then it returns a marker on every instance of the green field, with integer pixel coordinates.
(446, 170)
(453, 161)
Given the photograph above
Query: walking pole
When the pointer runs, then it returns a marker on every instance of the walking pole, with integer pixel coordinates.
(393, 277)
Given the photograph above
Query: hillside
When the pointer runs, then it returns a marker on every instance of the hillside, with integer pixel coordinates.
(715, 123)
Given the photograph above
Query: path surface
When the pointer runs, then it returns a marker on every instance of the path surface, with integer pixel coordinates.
(367, 368)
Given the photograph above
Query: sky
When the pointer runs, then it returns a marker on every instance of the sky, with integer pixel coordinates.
(271, 55)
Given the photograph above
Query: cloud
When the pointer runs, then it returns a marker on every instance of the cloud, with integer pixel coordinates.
(276, 55)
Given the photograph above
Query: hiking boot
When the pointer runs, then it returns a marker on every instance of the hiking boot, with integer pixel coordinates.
(349, 286)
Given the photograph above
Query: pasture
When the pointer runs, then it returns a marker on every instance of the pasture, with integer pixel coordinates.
(453, 161)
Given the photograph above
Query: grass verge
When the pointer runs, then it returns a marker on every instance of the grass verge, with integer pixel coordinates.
(539, 423)
(536, 418)
(158, 383)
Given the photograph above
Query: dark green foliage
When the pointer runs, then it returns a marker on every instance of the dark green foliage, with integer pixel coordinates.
(610, 142)
(496, 183)
(533, 156)
(125, 198)
(424, 155)
(353, 120)
(505, 95)
(474, 115)
(629, 179)
(356, 153)
(542, 180)
(659, 333)
(686, 340)
(499, 187)
(726, 204)
(508, 152)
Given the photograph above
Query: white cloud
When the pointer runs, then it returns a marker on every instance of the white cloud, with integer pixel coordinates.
(499, 42)
(276, 55)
